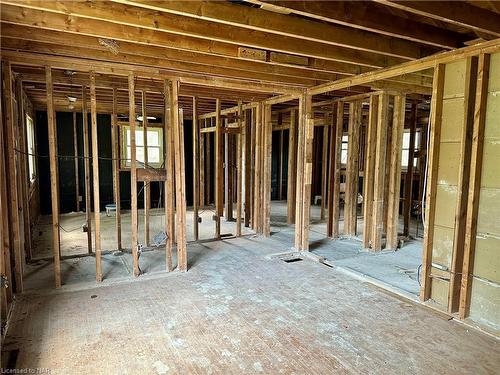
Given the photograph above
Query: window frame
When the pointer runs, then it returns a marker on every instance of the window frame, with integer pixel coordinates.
(31, 149)
(157, 128)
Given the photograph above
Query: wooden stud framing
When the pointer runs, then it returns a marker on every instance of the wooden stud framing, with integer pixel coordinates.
(218, 170)
(308, 163)
(23, 176)
(292, 168)
(86, 170)
(379, 175)
(331, 171)
(395, 172)
(463, 186)
(133, 174)
(409, 171)
(95, 174)
(352, 171)
(196, 169)
(432, 169)
(368, 176)
(147, 185)
(115, 140)
(12, 158)
(201, 163)
(256, 218)
(239, 168)
(54, 178)
(246, 143)
(75, 151)
(228, 172)
(475, 183)
(324, 168)
(339, 132)
(180, 184)
(280, 165)
(266, 175)
(169, 183)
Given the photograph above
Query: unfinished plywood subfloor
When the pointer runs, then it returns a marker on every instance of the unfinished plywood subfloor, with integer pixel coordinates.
(236, 311)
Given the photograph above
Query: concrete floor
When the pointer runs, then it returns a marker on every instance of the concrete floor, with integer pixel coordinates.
(239, 311)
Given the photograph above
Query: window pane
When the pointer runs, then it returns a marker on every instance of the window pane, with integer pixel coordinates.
(345, 138)
(343, 156)
(406, 140)
(139, 138)
(153, 154)
(404, 158)
(140, 154)
(153, 138)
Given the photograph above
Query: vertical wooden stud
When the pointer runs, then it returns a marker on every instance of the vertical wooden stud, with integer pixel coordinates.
(115, 139)
(133, 174)
(239, 166)
(379, 175)
(169, 171)
(95, 175)
(368, 176)
(75, 151)
(196, 168)
(54, 177)
(432, 170)
(86, 170)
(292, 168)
(219, 173)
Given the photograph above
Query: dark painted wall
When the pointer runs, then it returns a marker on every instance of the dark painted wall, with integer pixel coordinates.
(65, 141)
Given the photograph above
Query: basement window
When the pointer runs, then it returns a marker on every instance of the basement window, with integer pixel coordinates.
(154, 147)
(30, 135)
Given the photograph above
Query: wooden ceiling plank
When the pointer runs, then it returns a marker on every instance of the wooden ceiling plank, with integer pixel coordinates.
(371, 17)
(455, 12)
(282, 24)
(79, 17)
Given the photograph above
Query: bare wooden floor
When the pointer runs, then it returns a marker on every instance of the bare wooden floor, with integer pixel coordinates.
(236, 312)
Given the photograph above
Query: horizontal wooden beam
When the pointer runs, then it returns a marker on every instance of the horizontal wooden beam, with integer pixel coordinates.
(225, 13)
(108, 20)
(459, 13)
(368, 16)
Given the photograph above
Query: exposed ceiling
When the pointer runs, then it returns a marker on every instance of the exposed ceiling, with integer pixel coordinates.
(238, 50)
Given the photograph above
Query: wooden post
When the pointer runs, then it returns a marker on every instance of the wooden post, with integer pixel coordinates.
(432, 171)
(308, 163)
(463, 186)
(24, 179)
(398, 123)
(169, 170)
(54, 176)
(12, 178)
(331, 170)
(95, 174)
(133, 174)
(267, 164)
(475, 184)
(228, 172)
(180, 183)
(292, 168)
(280, 166)
(253, 151)
(86, 169)
(202, 164)
(196, 169)
(219, 173)
(209, 185)
(369, 172)
(247, 138)
(339, 132)
(324, 167)
(409, 171)
(239, 171)
(5, 245)
(379, 175)
(300, 174)
(77, 178)
(257, 176)
(352, 171)
(115, 139)
(147, 185)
